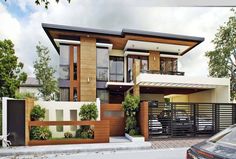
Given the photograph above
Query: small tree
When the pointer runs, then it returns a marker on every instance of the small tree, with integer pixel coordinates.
(11, 75)
(222, 60)
(44, 73)
(131, 106)
(88, 112)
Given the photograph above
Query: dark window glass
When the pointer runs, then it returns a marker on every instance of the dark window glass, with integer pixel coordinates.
(168, 65)
(102, 74)
(75, 95)
(75, 63)
(102, 64)
(64, 69)
(143, 65)
(116, 69)
(103, 95)
(64, 94)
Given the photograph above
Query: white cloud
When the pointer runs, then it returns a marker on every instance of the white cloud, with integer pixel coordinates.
(101, 14)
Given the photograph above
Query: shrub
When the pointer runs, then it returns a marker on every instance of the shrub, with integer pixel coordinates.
(40, 133)
(130, 123)
(37, 113)
(131, 106)
(84, 135)
(133, 132)
(25, 95)
(68, 135)
(88, 112)
(85, 132)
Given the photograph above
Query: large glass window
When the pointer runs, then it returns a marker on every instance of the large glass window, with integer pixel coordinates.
(168, 65)
(143, 65)
(75, 63)
(64, 94)
(102, 64)
(64, 62)
(103, 95)
(116, 69)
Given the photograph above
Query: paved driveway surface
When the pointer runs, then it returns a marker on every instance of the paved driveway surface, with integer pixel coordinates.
(175, 142)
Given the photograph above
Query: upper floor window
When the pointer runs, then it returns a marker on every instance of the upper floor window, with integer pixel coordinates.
(168, 65)
(102, 64)
(64, 62)
(143, 65)
(116, 69)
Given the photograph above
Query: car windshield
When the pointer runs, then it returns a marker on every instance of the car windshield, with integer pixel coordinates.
(227, 136)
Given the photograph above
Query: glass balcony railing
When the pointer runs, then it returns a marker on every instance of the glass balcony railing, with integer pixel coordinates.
(163, 72)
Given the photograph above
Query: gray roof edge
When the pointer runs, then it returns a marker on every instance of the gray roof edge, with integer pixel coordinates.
(123, 32)
(81, 29)
(166, 35)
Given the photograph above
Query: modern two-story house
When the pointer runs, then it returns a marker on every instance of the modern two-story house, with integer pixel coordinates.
(104, 64)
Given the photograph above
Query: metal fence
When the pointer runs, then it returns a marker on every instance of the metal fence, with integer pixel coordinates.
(189, 119)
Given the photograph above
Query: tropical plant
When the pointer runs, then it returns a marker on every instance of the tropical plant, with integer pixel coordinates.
(11, 75)
(40, 133)
(45, 73)
(131, 107)
(37, 113)
(88, 112)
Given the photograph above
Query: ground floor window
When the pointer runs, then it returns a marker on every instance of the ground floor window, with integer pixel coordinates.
(103, 94)
(64, 94)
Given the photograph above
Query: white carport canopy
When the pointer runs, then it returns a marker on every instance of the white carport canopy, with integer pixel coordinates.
(156, 80)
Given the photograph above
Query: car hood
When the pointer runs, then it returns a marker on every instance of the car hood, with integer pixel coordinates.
(222, 150)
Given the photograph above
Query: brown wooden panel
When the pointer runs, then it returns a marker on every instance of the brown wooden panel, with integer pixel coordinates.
(117, 124)
(29, 104)
(154, 60)
(101, 132)
(143, 119)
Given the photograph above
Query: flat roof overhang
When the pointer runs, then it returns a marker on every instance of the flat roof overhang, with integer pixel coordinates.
(169, 90)
(118, 38)
(119, 86)
(173, 81)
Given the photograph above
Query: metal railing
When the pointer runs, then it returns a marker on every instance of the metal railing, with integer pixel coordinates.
(189, 119)
(163, 72)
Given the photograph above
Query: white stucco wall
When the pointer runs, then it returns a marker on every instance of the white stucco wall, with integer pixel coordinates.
(52, 106)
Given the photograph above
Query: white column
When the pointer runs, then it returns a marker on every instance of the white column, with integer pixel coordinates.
(98, 103)
(4, 118)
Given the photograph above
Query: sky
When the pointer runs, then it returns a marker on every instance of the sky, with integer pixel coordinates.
(20, 21)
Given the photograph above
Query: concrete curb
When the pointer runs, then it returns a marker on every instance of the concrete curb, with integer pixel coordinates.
(77, 148)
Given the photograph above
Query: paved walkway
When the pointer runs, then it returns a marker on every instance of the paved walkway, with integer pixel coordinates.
(175, 142)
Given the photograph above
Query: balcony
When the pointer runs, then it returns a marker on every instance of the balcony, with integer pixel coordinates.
(163, 73)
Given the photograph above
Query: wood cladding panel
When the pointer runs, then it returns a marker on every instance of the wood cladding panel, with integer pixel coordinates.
(117, 123)
(154, 60)
(101, 132)
(143, 119)
(29, 104)
(87, 69)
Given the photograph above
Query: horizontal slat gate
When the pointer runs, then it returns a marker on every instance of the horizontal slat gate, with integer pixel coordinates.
(114, 113)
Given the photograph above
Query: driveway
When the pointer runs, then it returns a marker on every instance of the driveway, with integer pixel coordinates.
(176, 142)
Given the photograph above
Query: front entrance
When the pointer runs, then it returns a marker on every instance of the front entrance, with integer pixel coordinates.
(114, 113)
(16, 122)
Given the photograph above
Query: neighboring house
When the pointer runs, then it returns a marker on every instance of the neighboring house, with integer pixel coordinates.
(106, 64)
(31, 85)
